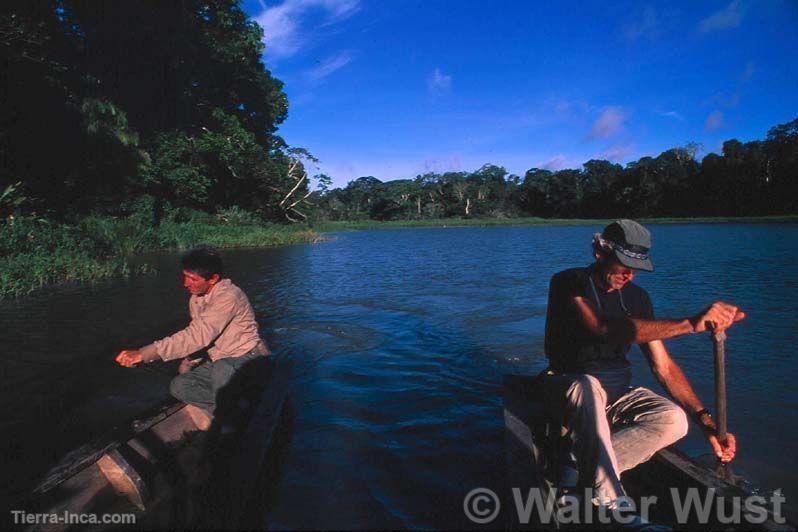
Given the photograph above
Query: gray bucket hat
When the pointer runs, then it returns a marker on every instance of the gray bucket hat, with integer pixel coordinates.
(630, 242)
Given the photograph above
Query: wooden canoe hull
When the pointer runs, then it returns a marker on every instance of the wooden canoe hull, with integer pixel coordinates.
(670, 469)
(162, 466)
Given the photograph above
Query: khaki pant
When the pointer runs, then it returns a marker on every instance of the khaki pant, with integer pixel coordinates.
(201, 385)
(609, 439)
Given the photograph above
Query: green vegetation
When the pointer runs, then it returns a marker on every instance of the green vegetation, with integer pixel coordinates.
(137, 127)
(38, 253)
(748, 179)
(168, 101)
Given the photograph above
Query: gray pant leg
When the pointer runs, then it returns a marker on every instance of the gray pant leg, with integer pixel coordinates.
(222, 370)
(200, 386)
(643, 423)
(195, 387)
(581, 403)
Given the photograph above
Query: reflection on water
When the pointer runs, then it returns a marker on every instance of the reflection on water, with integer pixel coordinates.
(398, 340)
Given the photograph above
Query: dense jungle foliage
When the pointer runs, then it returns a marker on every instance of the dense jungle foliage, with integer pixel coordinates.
(748, 179)
(106, 103)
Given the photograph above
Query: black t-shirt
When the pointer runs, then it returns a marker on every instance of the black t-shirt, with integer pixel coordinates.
(573, 349)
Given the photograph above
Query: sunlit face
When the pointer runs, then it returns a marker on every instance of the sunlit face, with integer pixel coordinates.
(614, 275)
(198, 285)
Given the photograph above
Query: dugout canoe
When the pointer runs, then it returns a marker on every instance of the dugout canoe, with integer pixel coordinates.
(526, 425)
(176, 468)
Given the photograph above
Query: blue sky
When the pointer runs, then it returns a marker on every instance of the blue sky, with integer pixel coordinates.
(394, 88)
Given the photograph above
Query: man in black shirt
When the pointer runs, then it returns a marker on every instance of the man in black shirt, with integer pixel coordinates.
(594, 315)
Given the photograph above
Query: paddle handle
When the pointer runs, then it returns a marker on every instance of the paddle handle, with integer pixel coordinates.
(719, 348)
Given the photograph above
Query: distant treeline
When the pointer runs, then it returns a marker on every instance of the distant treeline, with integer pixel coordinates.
(748, 179)
(108, 106)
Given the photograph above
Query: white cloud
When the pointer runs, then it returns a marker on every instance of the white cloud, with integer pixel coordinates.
(555, 163)
(618, 152)
(672, 114)
(439, 82)
(729, 17)
(406, 166)
(714, 121)
(283, 31)
(329, 65)
(608, 123)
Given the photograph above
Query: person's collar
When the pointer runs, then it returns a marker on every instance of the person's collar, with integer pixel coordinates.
(214, 289)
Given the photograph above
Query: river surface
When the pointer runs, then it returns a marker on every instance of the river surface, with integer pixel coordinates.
(398, 341)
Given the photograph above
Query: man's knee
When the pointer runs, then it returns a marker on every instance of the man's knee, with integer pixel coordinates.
(677, 423)
(222, 372)
(179, 386)
(669, 423)
(586, 390)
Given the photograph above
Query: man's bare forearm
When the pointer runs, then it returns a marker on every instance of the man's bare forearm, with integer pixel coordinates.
(640, 331)
(676, 384)
(649, 330)
(625, 330)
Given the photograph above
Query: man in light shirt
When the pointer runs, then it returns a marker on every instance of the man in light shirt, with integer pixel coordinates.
(222, 321)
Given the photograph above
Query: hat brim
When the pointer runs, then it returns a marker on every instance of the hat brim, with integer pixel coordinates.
(636, 264)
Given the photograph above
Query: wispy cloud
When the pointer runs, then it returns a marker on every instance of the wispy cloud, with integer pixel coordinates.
(608, 123)
(729, 17)
(672, 114)
(618, 152)
(555, 163)
(645, 25)
(284, 31)
(438, 82)
(715, 121)
(329, 65)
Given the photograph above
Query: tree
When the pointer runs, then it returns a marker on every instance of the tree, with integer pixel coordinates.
(600, 180)
(534, 192)
(189, 117)
(782, 166)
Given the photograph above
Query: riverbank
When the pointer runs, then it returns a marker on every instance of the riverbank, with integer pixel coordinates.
(327, 227)
(37, 253)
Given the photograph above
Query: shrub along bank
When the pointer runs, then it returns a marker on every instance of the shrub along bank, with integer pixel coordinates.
(37, 252)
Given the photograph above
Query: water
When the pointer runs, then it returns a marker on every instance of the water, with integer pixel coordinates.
(399, 339)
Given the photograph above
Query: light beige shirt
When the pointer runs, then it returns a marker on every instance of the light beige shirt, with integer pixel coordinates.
(221, 320)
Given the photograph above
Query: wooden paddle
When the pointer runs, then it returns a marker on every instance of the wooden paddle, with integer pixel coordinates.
(722, 469)
(719, 347)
